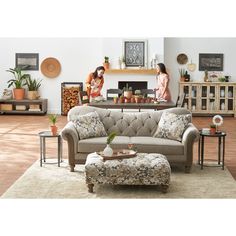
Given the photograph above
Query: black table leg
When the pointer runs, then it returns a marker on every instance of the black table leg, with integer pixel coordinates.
(41, 152)
(219, 150)
(199, 150)
(223, 158)
(202, 151)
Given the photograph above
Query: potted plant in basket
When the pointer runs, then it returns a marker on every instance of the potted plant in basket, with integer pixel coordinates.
(106, 63)
(53, 120)
(33, 86)
(19, 81)
(108, 150)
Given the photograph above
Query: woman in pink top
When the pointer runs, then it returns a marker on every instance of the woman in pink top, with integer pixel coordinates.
(162, 90)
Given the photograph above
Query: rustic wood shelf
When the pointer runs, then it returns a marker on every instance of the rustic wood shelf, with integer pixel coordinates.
(132, 71)
(26, 102)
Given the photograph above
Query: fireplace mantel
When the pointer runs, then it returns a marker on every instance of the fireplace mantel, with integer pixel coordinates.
(132, 71)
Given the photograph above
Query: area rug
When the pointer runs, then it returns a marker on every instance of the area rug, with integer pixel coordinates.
(51, 181)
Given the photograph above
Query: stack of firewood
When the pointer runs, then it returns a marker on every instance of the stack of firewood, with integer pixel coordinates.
(70, 98)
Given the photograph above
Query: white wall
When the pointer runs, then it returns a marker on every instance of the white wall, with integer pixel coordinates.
(192, 47)
(78, 57)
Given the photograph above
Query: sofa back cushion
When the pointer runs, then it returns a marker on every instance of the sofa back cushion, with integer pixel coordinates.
(126, 124)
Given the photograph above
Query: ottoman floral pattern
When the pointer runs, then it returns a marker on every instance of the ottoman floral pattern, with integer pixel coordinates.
(144, 169)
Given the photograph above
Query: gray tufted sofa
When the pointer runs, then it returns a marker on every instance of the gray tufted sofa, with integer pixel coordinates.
(137, 128)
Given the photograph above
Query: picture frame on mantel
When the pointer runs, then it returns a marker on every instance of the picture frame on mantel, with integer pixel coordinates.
(135, 53)
(27, 61)
(211, 61)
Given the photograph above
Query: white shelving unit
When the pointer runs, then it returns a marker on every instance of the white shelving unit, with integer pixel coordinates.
(209, 97)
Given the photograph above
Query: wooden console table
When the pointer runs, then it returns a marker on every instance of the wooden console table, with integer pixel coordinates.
(139, 106)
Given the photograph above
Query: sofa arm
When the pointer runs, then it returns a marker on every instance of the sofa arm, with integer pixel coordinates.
(190, 136)
(70, 134)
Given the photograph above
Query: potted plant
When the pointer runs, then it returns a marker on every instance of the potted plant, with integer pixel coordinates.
(121, 99)
(127, 91)
(212, 129)
(108, 150)
(115, 99)
(106, 63)
(182, 73)
(138, 96)
(19, 81)
(53, 120)
(33, 86)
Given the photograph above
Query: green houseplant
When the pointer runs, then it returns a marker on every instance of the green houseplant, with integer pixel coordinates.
(53, 120)
(18, 82)
(33, 86)
(108, 150)
(106, 63)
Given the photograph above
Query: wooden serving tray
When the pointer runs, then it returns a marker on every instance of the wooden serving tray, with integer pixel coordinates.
(119, 154)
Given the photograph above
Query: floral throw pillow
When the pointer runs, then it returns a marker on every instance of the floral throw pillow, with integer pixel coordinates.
(172, 126)
(89, 126)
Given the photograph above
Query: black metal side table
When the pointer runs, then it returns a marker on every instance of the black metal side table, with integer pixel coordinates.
(47, 134)
(221, 151)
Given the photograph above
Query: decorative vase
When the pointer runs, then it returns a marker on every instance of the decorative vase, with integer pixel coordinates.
(108, 151)
(222, 93)
(123, 66)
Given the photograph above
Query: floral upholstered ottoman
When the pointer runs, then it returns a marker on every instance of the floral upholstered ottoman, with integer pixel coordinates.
(144, 169)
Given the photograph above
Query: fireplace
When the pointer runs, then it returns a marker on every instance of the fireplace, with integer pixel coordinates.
(136, 85)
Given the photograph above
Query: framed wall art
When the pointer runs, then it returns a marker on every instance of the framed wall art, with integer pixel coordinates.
(135, 53)
(211, 61)
(27, 61)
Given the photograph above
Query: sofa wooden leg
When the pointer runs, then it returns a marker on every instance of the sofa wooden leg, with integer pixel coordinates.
(187, 169)
(90, 188)
(164, 188)
(72, 168)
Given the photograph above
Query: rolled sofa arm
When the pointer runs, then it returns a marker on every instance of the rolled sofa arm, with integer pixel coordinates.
(190, 135)
(70, 134)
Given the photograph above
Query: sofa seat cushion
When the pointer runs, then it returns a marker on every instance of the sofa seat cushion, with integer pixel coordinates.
(99, 143)
(158, 145)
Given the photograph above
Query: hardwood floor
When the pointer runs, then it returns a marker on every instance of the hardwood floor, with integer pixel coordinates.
(19, 144)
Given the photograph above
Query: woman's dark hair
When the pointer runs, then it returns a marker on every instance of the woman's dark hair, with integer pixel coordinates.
(162, 68)
(95, 73)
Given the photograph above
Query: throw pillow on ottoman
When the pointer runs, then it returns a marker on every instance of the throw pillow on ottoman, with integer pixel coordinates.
(144, 169)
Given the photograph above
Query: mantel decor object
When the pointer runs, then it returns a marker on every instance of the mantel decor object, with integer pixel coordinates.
(182, 59)
(51, 67)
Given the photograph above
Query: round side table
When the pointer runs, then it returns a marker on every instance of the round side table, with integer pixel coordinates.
(221, 151)
(47, 134)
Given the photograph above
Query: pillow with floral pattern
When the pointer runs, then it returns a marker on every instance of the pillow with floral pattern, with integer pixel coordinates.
(172, 126)
(89, 126)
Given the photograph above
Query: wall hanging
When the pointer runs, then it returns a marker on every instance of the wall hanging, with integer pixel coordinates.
(51, 67)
